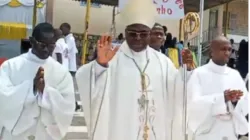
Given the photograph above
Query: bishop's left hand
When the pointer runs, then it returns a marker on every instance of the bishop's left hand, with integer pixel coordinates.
(187, 58)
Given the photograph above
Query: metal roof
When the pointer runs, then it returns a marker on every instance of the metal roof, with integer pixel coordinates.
(190, 5)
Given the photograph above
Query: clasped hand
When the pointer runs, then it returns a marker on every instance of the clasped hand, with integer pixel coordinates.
(39, 83)
(187, 58)
(233, 95)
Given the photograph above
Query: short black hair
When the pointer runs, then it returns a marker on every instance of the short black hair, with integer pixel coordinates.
(42, 28)
(67, 25)
(232, 41)
(165, 28)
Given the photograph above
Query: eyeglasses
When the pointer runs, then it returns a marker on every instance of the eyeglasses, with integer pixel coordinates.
(134, 34)
(45, 45)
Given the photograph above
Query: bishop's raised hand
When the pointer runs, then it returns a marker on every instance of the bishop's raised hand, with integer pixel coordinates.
(105, 50)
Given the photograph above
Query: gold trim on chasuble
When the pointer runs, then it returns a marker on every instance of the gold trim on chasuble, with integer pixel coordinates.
(146, 109)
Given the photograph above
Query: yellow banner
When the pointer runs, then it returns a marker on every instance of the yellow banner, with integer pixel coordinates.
(13, 31)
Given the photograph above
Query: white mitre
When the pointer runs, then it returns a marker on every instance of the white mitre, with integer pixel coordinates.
(139, 12)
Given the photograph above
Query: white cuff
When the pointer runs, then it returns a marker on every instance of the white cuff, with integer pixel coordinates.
(219, 106)
(99, 69)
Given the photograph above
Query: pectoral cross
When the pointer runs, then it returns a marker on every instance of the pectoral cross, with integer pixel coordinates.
(143, 103)
(143, 100)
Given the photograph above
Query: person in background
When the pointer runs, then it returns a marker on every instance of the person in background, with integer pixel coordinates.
(70, 40)
(168, 42)
(60, 52)
(181, 42)
(172, 51)
(217, 97)
(120, 38)
(157, 37)
(36, 92)
(164, 48)
(242, 64)
(174, 42)
(180, 45)
(165, 29)
(72, 52)
(234, 54)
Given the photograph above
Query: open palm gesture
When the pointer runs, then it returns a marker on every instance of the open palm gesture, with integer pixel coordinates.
(105, 50)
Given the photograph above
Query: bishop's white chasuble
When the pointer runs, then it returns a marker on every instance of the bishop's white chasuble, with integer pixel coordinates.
(131, 99)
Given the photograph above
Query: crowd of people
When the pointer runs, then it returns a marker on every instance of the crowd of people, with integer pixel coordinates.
(131, 91)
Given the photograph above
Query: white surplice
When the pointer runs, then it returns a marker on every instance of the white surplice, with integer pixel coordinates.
(72, 51)
(24, 114)
(110, 95)
(208, 116)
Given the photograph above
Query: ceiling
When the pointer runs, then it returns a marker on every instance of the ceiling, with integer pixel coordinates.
(190, 5)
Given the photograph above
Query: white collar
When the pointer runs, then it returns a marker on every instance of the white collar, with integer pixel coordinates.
(34, 58)
(217, 68)
(128, 52)
(69, 35)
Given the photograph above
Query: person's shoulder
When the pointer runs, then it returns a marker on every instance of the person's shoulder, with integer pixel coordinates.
(232, 71)
(159, 54)
(14, 63)
(71, 37)
(201, 70)
(16, 60)
(56, 66)
(162, 56)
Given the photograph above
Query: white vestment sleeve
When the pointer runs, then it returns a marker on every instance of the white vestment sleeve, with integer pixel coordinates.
(99, 70)
(241, 109)
(92, 81)
(58, 103)
(12, 97)
(202, 109)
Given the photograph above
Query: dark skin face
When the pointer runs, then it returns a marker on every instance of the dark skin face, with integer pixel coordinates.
(58, 34)
(44, 47)
(156, 38)
(137, 37)
(65, 30)
(220, 51)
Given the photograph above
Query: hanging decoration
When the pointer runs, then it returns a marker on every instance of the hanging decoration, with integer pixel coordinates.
(17, 3)
(12, 31)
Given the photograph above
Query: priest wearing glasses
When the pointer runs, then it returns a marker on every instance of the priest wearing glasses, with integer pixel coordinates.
(36, 92)
(127, 92)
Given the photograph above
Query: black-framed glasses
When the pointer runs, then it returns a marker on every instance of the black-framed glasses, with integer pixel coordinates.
(135, 34)
(42, 44)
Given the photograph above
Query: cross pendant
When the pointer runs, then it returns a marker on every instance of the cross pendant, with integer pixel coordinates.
(142, 101)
